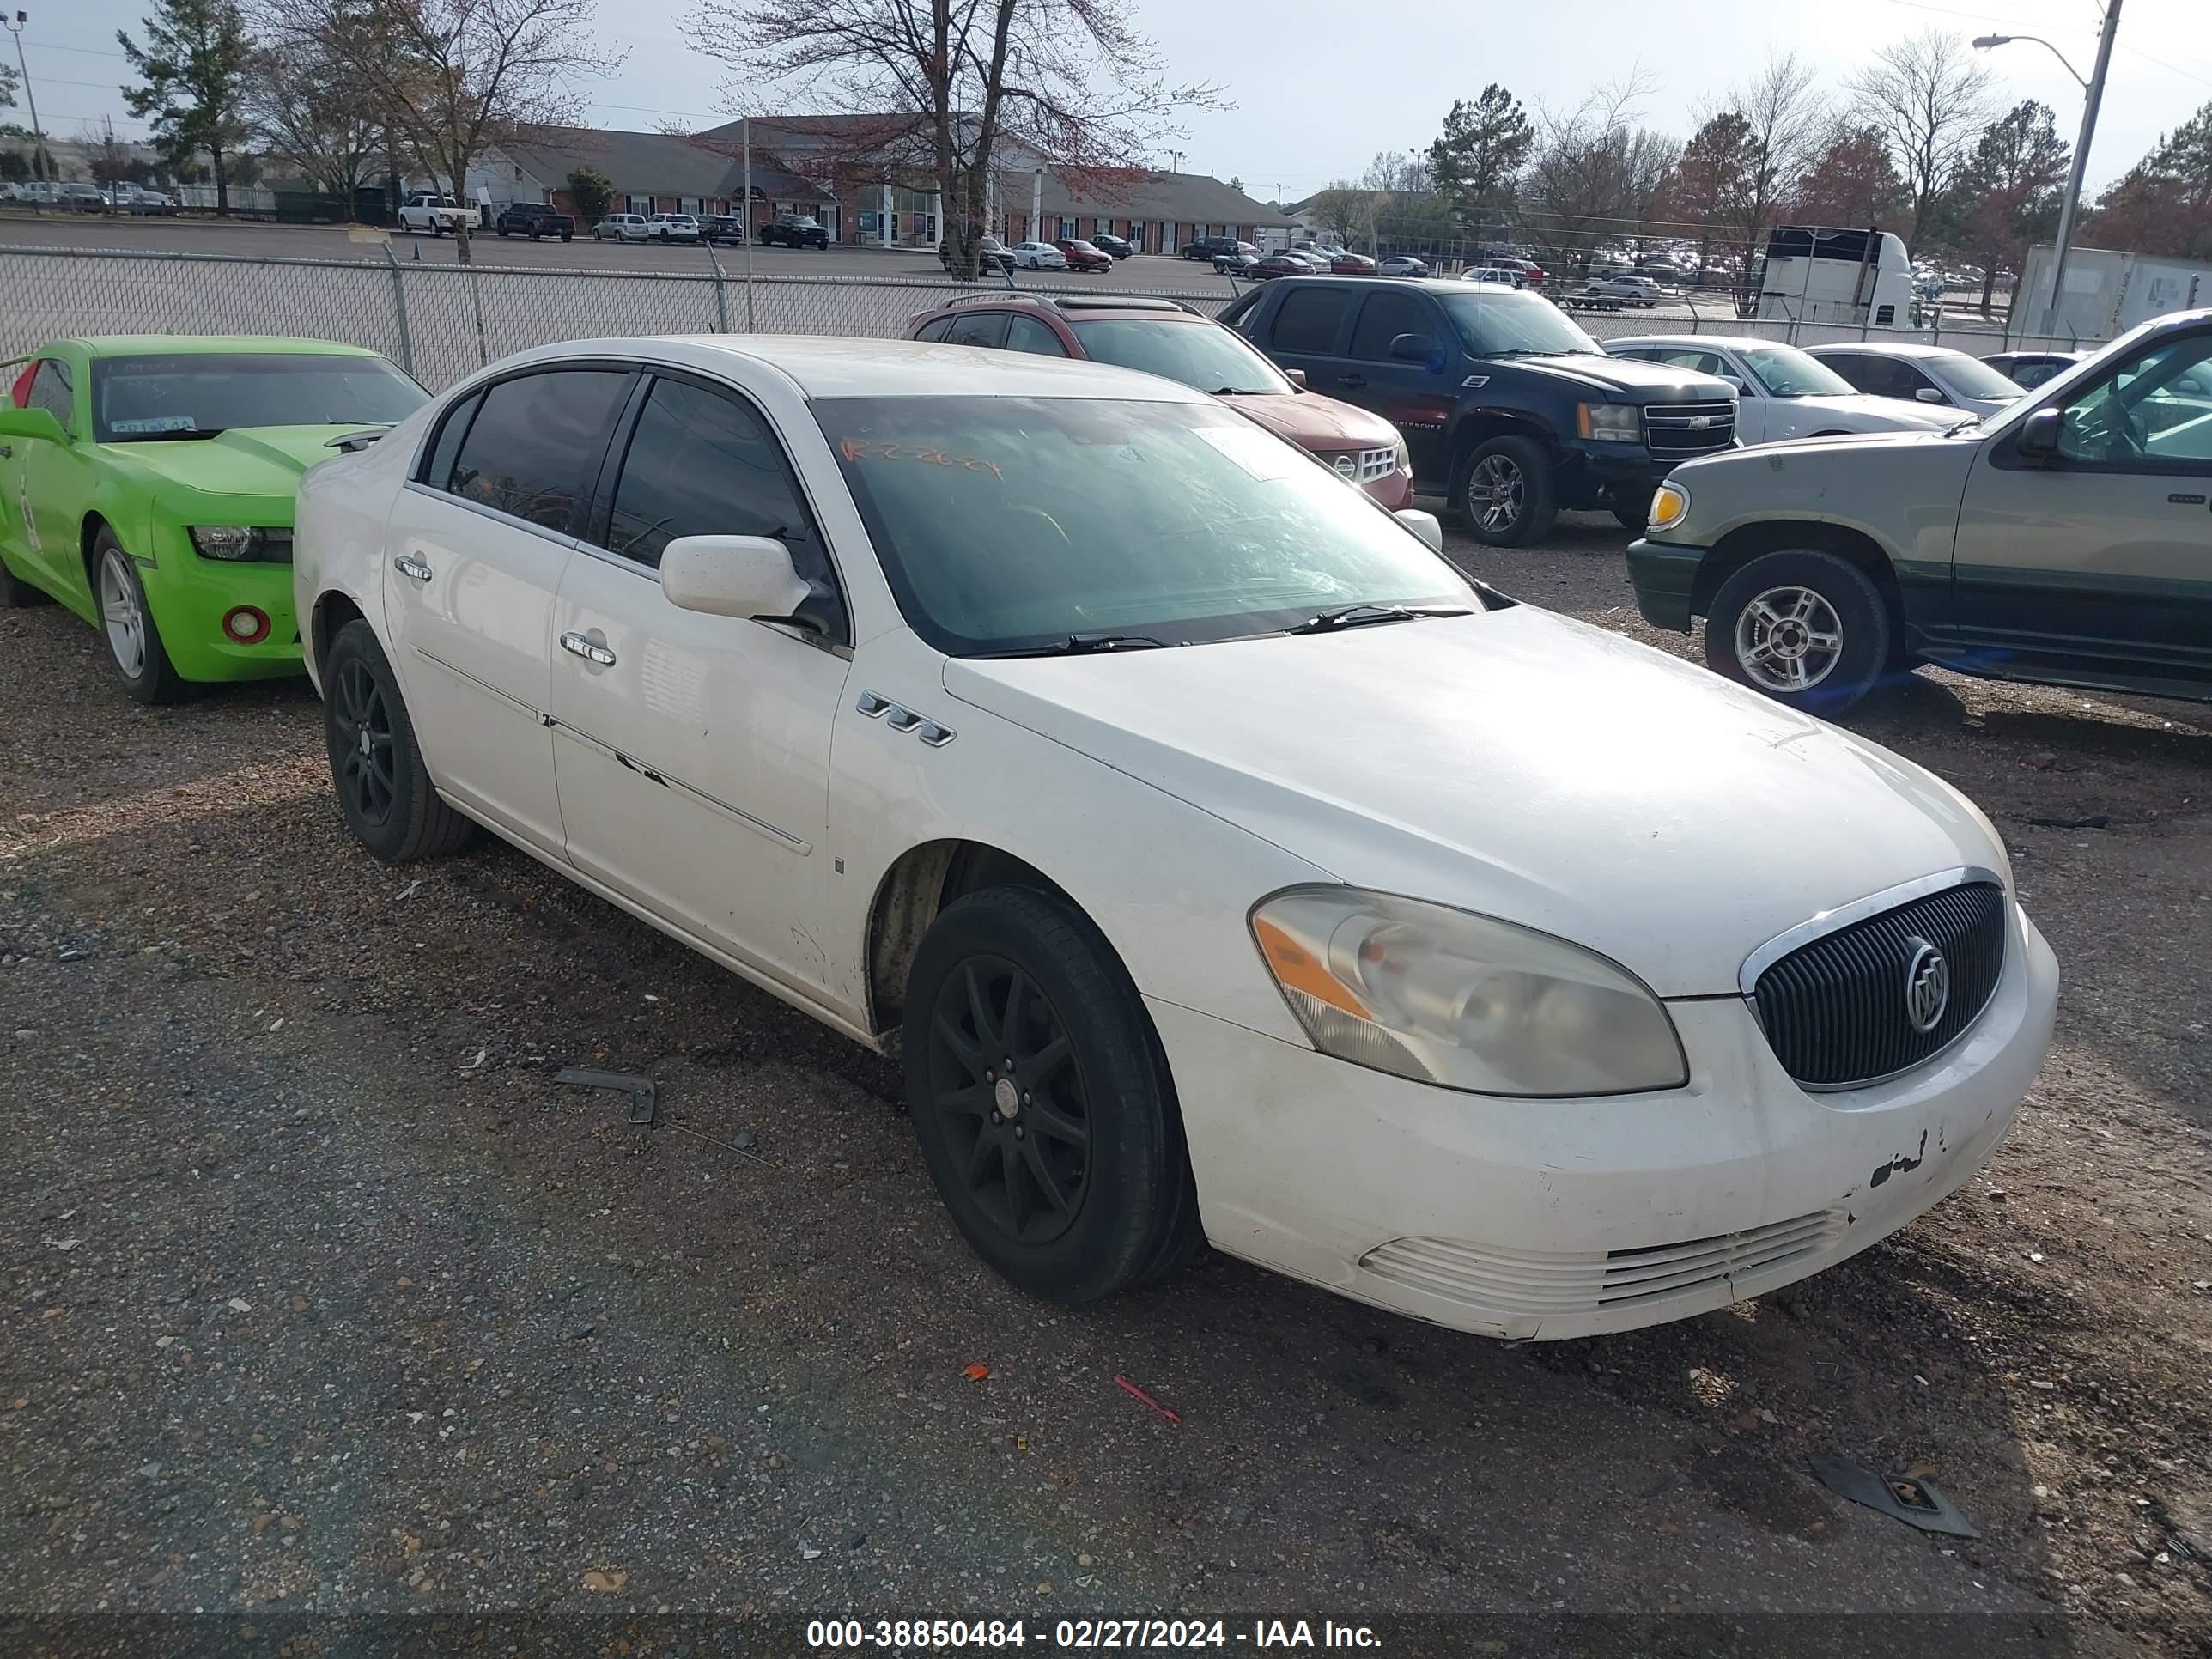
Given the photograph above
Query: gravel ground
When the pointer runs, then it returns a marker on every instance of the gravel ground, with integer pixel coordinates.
(323, 1299)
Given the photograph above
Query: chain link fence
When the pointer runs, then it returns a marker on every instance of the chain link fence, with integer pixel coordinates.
(442, 322)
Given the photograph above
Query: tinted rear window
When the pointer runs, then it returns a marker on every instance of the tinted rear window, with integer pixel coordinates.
(534, 447)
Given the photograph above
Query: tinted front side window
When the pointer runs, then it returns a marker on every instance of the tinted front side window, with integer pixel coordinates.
(977, 328)
(533, 449)
(1309, 320)
(1385, 316)
(701, 464)
(1027, 334)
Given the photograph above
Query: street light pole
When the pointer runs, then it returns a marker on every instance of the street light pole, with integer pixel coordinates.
(2093, 95)
(38, 158)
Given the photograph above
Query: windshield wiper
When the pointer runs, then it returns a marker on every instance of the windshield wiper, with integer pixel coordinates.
(1080, 645)
(1359, 616)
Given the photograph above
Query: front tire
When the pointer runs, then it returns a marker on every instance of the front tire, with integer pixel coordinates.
(1505, 495)
(1041, 1100)
(126, 621)
(384, 788)
(1807, 628)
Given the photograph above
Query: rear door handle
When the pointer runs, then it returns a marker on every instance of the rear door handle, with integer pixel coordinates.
(412, 568)
(590, 653)
(1355, 380)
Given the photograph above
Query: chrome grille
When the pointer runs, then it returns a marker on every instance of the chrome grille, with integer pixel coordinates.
(1689, 429)
(1363, 466)
(1837, 1011)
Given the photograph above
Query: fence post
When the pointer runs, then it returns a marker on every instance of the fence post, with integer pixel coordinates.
(476, 299)
(399, 311)
(721, 305)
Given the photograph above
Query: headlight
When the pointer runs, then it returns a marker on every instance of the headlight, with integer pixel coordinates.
(1404, 457)
(1462, 1000)
(1670, 505)
(238, 543)
(1612, 423)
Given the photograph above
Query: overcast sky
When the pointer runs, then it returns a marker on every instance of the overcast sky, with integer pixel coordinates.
(1320, 86)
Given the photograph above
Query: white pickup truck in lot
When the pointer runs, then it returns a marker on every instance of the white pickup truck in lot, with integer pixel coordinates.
(437, 214)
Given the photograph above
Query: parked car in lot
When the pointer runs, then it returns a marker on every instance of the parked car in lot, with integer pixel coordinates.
(1118, 246)
(1161, 338)
(1278, 264)
(535, 220)
(437, 214)
(1038, 256)
(1912, 372)
(1083, 256)
(726, 229)
(1464, 1001)
(1630, 290)
(1315, 262)
(1782, 392)
(143, 202)
(795, 230)
(1499, 276)
(146, 483)
(2064, 541)
(1512, 412)
(81, 197)
(2030, 369)
(1351, 264)
(672, 228)
(622, 227)
(1205, 247)
(1236, 264)
(993, 256)
(1403, 265)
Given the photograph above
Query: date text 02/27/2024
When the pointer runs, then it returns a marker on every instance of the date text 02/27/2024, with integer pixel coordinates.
(1082, 1635)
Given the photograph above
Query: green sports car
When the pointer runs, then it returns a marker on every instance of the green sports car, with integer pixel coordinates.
(147, 483)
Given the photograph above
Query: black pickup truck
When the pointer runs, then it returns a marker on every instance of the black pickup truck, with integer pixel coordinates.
(1511, 411)
(534, 219)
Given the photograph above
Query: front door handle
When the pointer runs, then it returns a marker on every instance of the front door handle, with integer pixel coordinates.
(590, 653)
(412, 568)
(1353, 380)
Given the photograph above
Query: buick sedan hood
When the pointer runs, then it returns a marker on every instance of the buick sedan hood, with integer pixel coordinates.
(1515, 763)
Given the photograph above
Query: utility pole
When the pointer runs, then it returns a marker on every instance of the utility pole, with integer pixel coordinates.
(745, 137)
(1176, 155)
(2092, 95)
(40, 158)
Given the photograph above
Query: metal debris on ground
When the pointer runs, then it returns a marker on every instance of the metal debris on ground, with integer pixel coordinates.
(1908, 1497)
(2093, 821)
(1127, 1387)
(741, 1145)
(644, 1097)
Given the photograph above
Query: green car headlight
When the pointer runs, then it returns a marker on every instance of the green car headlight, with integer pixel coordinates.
(1469, 1002)
(239, 543)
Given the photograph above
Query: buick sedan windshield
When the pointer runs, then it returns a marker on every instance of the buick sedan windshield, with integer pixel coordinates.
(1970, 377)
(1786, 371)
(1013, 524)
(196, 395)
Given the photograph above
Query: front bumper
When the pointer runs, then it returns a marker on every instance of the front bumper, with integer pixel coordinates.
(189, 596)
(1592, 471)
(1665, 576)
(1554, 1218)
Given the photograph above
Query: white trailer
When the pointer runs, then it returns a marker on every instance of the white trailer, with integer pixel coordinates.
(2107, 292)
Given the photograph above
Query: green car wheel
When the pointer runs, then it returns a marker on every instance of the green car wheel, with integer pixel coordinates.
(134, 641)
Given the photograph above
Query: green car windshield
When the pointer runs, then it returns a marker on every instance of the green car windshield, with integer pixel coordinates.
(202, 395)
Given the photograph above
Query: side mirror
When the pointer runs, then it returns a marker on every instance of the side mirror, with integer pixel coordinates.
(1739, 387)
(1423, 525)
(2038, 434)
(1410, 348)
(1928, 394)
(30, 423)
(1296, 376)
(742, 576)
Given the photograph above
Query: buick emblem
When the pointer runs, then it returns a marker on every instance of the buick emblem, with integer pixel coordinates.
(1927, 986)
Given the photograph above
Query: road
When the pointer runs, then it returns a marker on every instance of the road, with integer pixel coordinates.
(325, 1300)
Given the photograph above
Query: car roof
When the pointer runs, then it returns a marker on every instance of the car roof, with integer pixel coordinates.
(193, 346)
(1888, 348)
(832, 366)
(1701, 342)
(1068, 306)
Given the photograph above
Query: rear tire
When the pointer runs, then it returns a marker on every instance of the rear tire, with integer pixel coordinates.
(1067, 1173)
(16, 594)
(1806, 628)
(1504, 493)
(384, 792)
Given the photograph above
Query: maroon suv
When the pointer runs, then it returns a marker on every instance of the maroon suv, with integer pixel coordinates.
(1159, 336)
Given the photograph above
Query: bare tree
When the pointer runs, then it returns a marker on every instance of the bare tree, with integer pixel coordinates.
(311, 110)
(2163, 205)
(456, 78)
(1597, 174)
(1928, 97)
(1784, 119)
(1071, 85)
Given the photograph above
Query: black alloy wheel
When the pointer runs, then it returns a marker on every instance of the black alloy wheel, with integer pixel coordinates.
(384, 792)
(360, 742)
(1009, 1100)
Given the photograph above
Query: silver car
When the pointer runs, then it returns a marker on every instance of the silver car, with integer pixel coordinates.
(1782, 392)
(2066, 541)
(1912, 372)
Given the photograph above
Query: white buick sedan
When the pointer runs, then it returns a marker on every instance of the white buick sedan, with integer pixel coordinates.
(1224, 864)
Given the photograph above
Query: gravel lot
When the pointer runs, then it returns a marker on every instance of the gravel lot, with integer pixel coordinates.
(323, 1298)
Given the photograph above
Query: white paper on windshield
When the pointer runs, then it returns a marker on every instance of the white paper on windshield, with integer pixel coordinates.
(1260, 454)
(154, 423)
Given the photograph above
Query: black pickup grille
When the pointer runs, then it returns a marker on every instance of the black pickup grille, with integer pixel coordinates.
(1678, 430)
(1835, 1010)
